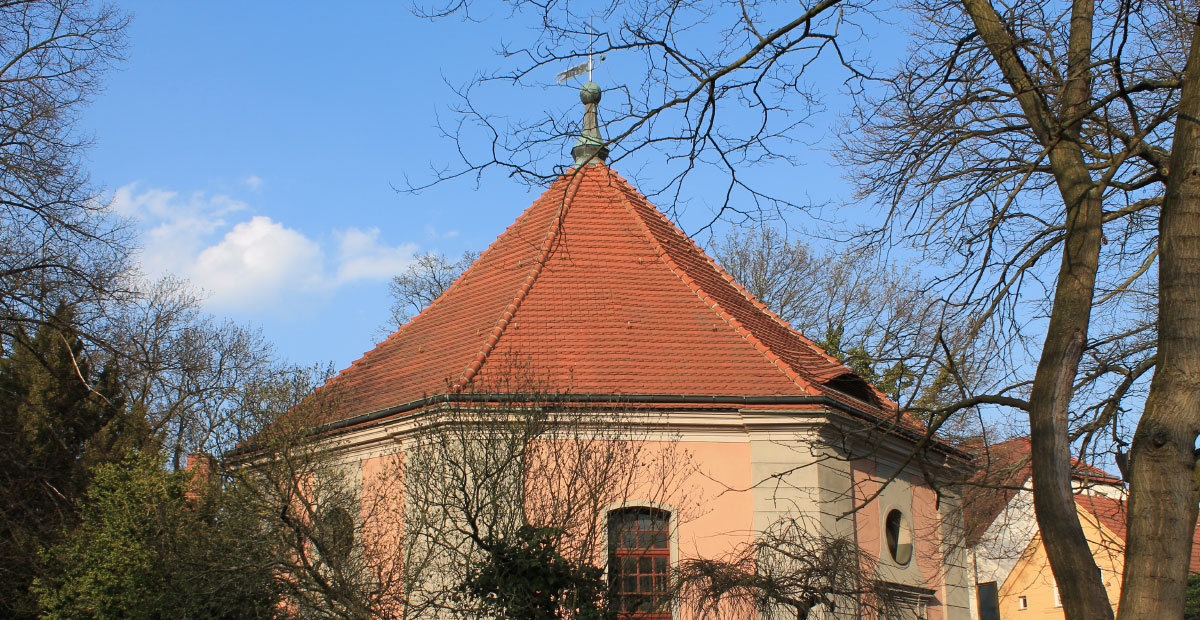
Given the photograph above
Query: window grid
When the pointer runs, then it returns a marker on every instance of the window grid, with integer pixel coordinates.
(639, 562)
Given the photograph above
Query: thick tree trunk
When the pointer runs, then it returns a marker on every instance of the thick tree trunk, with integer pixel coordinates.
(1082, 591)
(1163, 478)
(1078, 578)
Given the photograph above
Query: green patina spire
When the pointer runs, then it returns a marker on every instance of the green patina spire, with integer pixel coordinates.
(590, 148)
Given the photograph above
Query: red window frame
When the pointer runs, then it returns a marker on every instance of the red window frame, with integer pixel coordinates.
(639, 562)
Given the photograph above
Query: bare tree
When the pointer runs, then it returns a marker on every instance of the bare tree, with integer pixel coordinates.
(701, 65)
(400, 535)
(791, 566)
(1027, 148)
(184, 371)
(1034, 150)
(510, 457)
(873, 316)
(58, 244)
(1162, 507)
(329, 560)
(423, 282)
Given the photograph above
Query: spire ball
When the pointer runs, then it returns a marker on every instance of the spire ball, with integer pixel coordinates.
(590, 93)
(590, 148)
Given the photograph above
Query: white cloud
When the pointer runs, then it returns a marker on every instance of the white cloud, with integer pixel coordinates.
(362, 257)
(257, 261)
(173, 227)
(254, 182)
(245, 261)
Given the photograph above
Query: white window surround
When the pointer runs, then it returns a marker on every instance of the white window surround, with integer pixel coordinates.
(913, 601)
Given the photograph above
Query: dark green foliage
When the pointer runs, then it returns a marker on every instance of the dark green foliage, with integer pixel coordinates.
(890, 379)
(58, 417)
(144, 550)
(894, 378)
(525, 578)
(1191, 607)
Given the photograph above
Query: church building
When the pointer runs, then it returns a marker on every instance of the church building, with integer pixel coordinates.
(603, 305)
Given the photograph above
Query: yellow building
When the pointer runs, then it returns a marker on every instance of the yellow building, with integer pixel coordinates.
(1007, 559)
(1008, 562)
(1030, 591)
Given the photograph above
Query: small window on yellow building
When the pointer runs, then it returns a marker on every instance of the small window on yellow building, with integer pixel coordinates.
(1022, 602)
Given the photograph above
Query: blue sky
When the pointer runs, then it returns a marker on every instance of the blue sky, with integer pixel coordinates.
(258, 147)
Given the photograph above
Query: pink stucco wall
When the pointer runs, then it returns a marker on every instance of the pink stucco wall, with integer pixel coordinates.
(921, 506)
(712, 503)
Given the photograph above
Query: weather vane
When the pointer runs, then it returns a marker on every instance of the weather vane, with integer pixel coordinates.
(583, 67)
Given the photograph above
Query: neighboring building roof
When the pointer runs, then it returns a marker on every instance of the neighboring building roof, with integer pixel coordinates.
(1002, 470)
(595, 291)
(1108, 511)
(1111, 513)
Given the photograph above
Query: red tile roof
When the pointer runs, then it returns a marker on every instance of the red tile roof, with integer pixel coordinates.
(1001, 470)
(595, 291)
(1111, 513)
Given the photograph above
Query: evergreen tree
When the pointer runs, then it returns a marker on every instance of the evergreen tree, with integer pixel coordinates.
(58, 416)
(524, 577)
(153, 544)
(1191, 609)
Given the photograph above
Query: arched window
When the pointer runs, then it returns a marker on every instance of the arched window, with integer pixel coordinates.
(335, 527)
(639, 559)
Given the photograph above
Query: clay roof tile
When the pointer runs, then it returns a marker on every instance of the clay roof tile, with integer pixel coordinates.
(1112, 514)
(1001, 470)
(596, 291)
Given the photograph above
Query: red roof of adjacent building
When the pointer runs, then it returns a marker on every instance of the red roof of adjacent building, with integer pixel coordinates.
(1112, 512)
(1108, 511)
(593, 290)
(1002, 469)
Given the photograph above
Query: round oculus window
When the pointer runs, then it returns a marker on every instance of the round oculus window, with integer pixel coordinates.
(899, 537)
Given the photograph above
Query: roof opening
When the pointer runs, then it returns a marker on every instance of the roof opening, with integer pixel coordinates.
(851, 384)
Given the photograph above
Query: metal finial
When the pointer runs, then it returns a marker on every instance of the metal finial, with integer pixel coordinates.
(590, 147)
(590, 93)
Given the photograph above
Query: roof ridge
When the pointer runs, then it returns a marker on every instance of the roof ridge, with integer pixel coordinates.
(427, 309)
(552, 230)
(769, 312)
(883, 400)
(442, 295)
(778, 362)
(424, 310)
